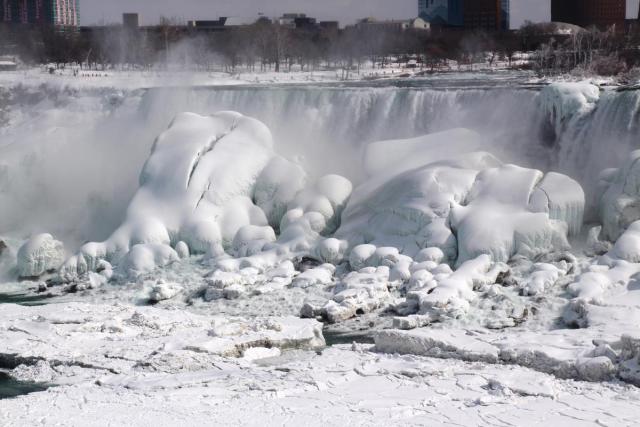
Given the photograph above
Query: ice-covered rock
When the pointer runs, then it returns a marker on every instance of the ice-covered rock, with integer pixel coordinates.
(277, 187)
(182, 250)
(144, 258)
(328, 197)
(410, 211)
(565, 102)
(162, 291)
(358, 293)
(619, 204)
(595, 246)
(497, 218)
(319, 276)
(332, 250)
(540, 279)
(360, 255)
(40, 254)
(430, 254)
(466, 206)
(627, 247)
(451, 296)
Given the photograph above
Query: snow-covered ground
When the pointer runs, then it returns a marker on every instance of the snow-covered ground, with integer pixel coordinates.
(206, 290)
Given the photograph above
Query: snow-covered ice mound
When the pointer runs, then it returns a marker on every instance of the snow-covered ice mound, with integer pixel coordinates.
(210, 184)
(467, 206)
(215, 185)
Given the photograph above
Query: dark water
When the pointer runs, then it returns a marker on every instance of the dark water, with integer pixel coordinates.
(333, 337)
(24, 299)
(9, 387)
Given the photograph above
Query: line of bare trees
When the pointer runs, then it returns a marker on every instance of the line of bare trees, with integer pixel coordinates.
(268, 46)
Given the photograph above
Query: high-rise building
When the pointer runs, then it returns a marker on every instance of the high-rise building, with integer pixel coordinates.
(585, 13)
(130, 20)
(506, 14)
(63, 13)
(485, 14)
(442, 12)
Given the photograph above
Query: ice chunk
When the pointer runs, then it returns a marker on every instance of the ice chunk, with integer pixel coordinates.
(182, 250)
(163, 291)
(332, 250)
(40, 254)
(145, 258)
(627, 247)
(328, 197)
(360, 255)
(455, 344)
(276, 188)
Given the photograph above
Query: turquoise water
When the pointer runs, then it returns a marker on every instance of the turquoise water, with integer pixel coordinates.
(9, 387)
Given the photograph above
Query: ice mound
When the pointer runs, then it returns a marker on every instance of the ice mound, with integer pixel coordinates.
(214, 185)
(396, 156)
(619, 204)
(39, 255)
(565, 102)
(467, 206)
(508, 212)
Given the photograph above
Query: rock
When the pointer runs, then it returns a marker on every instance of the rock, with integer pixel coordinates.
(164, 291)
(39, 255)
(182, 250)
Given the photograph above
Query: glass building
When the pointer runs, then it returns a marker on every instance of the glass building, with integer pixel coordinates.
(63, 13)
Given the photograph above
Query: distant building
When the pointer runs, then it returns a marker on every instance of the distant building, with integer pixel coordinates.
(585, 13)
(442, 12)
(7, 64)
(221, 24)
(305, 23)
(506, 15)
(130, 20)
(289, 19)
(329, 25)
(483, 14)
(62, 13)
(394, 25)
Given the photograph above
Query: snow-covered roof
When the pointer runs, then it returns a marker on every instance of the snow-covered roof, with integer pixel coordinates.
(235, 21)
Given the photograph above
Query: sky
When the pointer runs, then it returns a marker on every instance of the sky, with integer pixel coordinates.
(345, 11)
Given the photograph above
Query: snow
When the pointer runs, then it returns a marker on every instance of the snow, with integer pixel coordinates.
(236, 256)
